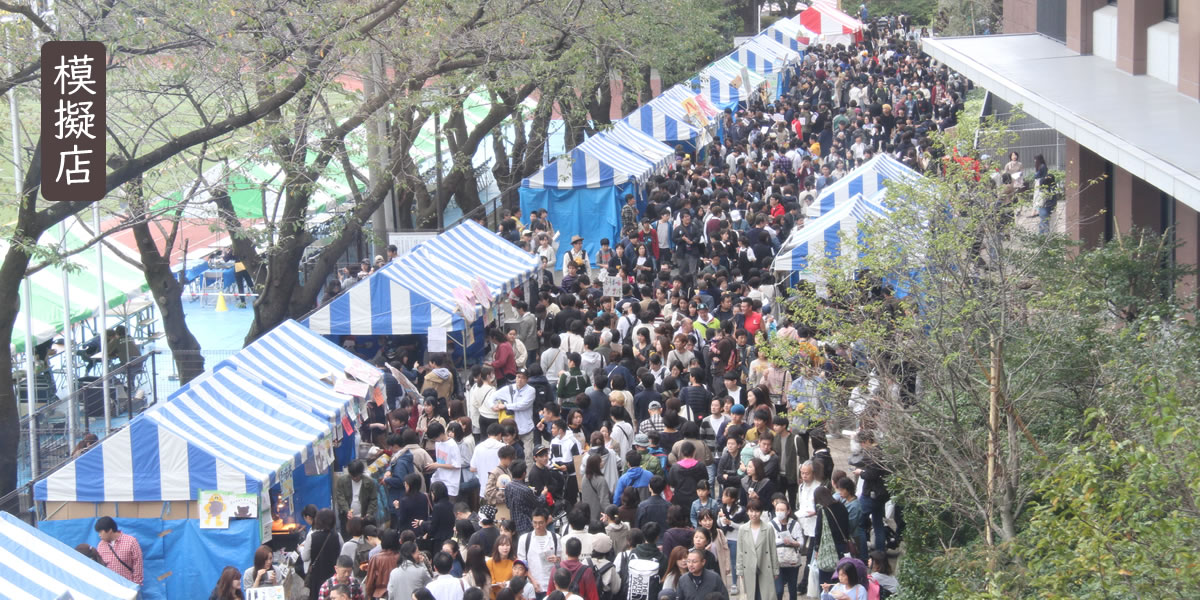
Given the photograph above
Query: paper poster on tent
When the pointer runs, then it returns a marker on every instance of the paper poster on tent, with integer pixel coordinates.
(350, 387)
(323, 454)
(215, 509)
(363, 372)
(287, 487)
(243, 506)
(482, 293)
(437, 339)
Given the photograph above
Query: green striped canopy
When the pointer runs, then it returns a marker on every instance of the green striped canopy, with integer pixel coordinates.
(121, 281)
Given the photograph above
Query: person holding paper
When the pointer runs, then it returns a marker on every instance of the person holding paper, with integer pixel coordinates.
(448, 466)
(516, 399)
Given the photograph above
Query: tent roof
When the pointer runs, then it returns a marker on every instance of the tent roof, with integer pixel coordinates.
(764, 55)
(623, 159)
(822, 237)
(576, 169)
(229, 429)
(459, 257)
(121, 281)
(35, 566)
(788, 33)
(829, 24)
(380, 305)
(662, 155)
(663, 127)
(866, 180)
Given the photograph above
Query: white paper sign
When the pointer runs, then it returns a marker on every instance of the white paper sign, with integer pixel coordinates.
(274, 592)
(437, 339)
(350, 387)
(363, 372)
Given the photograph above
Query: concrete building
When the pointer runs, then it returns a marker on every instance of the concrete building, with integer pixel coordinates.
(1120, 79)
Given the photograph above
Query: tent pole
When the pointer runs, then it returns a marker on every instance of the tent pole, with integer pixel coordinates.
(102, 321)
(68, 347)
(31, 380)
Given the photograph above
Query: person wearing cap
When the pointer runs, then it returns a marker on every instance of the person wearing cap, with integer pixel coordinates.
(705, 323)
(654, 420)
(516, 398)
(735, 425)
(608, 578)
(543, 478)
(641, 444)
(577, 256)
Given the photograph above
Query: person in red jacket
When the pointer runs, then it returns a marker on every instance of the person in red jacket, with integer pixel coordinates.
(504, 361)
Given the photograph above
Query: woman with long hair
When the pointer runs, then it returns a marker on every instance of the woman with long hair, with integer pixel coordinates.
(325, 549)
(595, 489)
(500, 563)
(829, 543)
(718, 545)
(262, 573)
(475, 572)
(229, 585)
(756, 483)
(676, 567)
(629, 505)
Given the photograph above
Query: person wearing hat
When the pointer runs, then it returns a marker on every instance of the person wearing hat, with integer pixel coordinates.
(654, 420)
(736, 425)
(608, 579)
(578, 256)
(705, 323)
(544, 478)
(516, 398)
(641, 444)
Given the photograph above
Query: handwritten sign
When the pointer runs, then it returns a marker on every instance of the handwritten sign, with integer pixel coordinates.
(363, 372)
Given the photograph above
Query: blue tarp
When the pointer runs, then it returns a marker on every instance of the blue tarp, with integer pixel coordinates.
(180, 560)
(591, 213)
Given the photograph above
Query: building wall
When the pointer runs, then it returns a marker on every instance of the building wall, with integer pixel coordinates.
(1085, 194)
(1189, 48)
(1134, 18)
(1020, 16)
(1079, 24)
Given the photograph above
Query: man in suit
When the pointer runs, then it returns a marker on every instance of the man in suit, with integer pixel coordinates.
(355, 495)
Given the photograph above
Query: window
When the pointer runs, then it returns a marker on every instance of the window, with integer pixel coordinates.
(1171, 10)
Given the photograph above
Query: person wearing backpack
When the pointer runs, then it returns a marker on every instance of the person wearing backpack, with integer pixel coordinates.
(583, 576)
(540, 549)
(608, 579)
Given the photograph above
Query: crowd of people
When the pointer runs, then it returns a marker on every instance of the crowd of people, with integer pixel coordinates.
(637, 445)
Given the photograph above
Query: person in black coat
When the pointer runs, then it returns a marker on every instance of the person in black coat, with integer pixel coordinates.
(680, 532)
(684, 476)
(413, 506)
(440, 525)
(324, 550)
(653, 509)
(839, 526)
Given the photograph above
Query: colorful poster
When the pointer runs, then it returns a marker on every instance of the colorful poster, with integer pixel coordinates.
(287, 487)
(482, 293)
(243, 506)
(215, 509)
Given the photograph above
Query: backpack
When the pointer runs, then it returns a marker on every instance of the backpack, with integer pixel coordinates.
(578, 577)
(873, 588)
(542, 396)
(602, 590)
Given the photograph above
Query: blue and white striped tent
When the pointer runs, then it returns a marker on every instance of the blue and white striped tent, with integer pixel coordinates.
(665, 128)
(823, 236)
(621, 158)
(230, 429)
(35, 566)
(381, 305)
(576, 170)
(457, 257)
(787, 32)
(670, 102)
(658, 153)
(721, 82)
(866, 180)
(763, 55)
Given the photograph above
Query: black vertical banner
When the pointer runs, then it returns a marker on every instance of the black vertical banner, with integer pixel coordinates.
(73, 126)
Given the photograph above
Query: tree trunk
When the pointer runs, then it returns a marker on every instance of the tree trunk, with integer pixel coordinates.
(748, 11)
(167, 292)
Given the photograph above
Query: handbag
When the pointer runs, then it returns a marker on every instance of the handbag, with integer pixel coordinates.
(827, 550)
(789, 556)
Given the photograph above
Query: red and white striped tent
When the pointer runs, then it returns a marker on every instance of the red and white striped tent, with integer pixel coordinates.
(828, 25)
